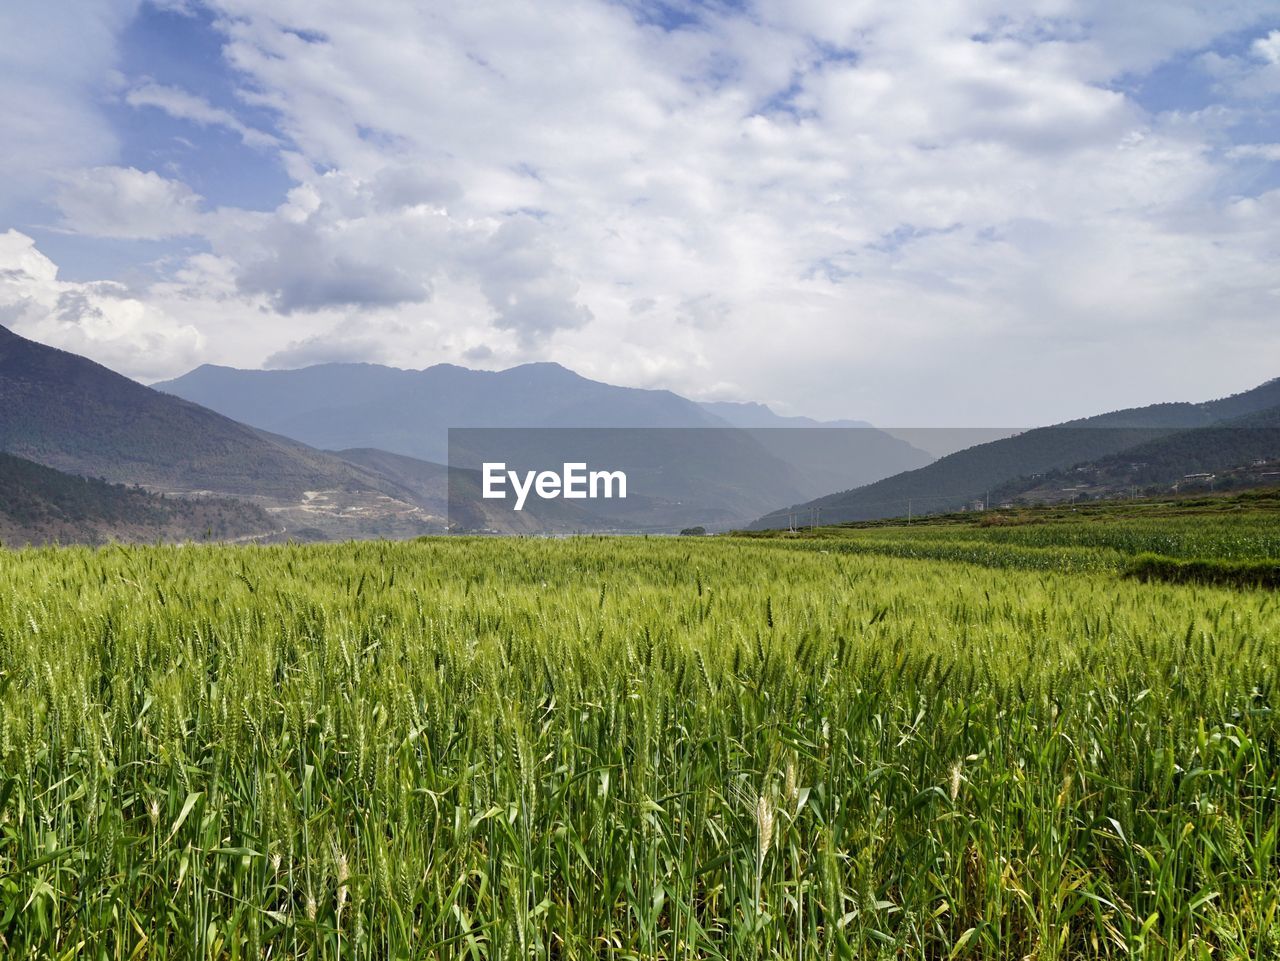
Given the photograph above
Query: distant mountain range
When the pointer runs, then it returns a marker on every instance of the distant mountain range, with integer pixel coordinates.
(748, 414)
(340, 406)
(1094, 456)
(73, 415)
(721, 475)
(255, 436)
(409, 412)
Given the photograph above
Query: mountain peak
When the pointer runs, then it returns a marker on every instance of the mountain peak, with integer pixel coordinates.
(543, 366)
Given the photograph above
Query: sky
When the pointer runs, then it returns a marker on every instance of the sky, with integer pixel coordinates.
(912, 212)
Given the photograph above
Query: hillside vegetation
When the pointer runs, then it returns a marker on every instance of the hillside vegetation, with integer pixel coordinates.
(39, 505)
(67, 412)
(1108, 453)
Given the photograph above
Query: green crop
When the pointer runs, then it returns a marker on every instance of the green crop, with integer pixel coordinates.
(1100, 537)
(625, 748)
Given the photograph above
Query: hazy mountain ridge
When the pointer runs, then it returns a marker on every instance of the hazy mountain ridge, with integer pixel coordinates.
(71, 414)
(752, 414)
(409, 412)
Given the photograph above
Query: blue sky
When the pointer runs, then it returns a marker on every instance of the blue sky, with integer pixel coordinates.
(184, 52)
(911, 212)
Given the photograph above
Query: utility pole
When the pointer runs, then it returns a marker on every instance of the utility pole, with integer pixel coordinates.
(908, 510)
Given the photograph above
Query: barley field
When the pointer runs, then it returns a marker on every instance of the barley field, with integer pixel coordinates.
(631, 748)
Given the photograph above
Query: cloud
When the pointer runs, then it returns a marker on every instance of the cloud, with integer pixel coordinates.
(1250, 76)
(1267, 48)
(332, 245)
(127, 203)
(187, 106)
(528, 291)
(903, 211)
(348, 344)
(55, 59)
(387, 240)
(101, 320)
(305, 270)
(705, 170)
(1256, 151)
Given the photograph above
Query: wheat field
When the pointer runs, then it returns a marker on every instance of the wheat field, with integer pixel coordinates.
(629, 748)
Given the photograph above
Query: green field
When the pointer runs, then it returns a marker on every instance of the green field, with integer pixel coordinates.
(1103, 536)
(947, 741)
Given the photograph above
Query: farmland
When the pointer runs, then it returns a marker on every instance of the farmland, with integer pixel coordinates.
(1103, 536)
(952, 741)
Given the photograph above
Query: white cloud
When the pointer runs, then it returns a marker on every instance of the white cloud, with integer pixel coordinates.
(1256, 151)
(1268, 48)
(1250, 76)
(529, 294)
(101, 320)
(389, 240)
(55, 59)
(906, 212)
(187, 106)
(127, 203)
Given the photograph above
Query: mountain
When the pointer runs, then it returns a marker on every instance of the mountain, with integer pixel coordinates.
(1240, 451)
(409, 413)
(427, 480)
(39, 505)
(343, 406)
(71, 414)
(748, 414)
(1006, 466)
(846, 452)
